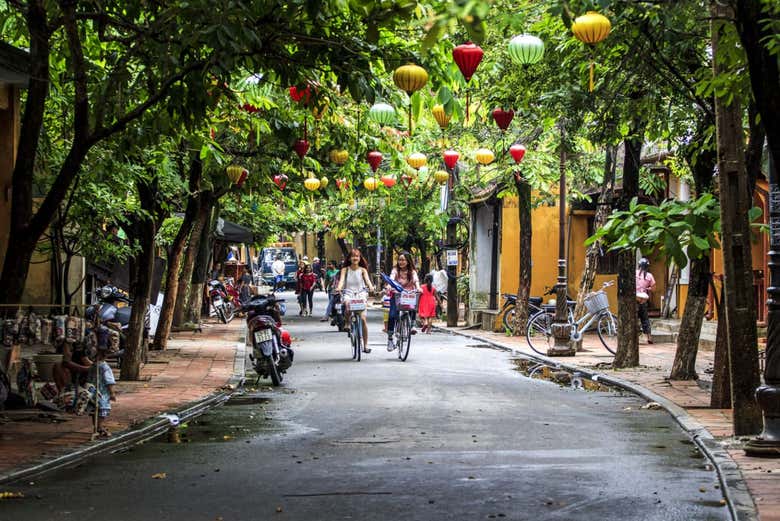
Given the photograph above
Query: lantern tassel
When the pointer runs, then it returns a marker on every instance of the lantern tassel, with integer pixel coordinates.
(468, 98)
(410, 115)
(590, 84)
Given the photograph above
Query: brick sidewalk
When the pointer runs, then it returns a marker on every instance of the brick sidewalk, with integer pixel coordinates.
(194, 366)
(762, 475)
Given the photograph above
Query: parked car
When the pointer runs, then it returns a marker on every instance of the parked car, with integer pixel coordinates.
(290, 258)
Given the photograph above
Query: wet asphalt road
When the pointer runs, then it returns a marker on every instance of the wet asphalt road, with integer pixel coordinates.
(453, 433)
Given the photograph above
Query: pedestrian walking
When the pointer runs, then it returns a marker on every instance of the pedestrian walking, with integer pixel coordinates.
(645, 283)
(306, 284)
(426, 308)
(101, 375)
(331, 273)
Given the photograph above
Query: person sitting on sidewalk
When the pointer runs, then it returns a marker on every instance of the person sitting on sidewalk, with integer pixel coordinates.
(101, 375)
(74, 366)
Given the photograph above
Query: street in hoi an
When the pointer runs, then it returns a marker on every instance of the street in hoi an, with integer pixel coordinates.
(390, 260)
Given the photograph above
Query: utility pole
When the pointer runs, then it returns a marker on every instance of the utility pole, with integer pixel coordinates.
(561, 329)
(452, 273)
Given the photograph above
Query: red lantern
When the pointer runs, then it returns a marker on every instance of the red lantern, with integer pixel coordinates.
(517, 151)
(388, 181)
(407, 180)
(374, 159)
(451, 158)
(242, 179)
(301, 147)
(299, 95)
(467, 56)
(280, 180)
(503, 117)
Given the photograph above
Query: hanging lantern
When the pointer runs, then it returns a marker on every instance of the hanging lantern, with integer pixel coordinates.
(410, 78)
(441, 116)
(339, 156)
(280, 180)
(301, 147)
(234, 173)
(242, 179)
(467, 57)
(503, 118)
(484, 156)
(517, 151)
(451, 158)
(441, 177)
(382, 113)
(388, 180)
(342, 184)
(324, 182)
(320, 108)
(526, 49)
(311, 184)
(302, 95)
(406, 179)
(374, 159)
(371, 184)
(591, 28)
(416, 160)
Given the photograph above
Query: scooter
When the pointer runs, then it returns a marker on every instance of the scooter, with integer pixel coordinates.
(106, 313)
(272, 352)
(337, 317)
(225, 300)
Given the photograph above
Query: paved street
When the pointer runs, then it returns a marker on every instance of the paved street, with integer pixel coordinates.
(453, 433)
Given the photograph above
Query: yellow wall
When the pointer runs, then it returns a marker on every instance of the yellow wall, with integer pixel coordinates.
(9, 132)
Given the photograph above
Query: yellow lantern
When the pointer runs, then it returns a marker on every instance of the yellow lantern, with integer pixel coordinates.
(416, 160)
(441, 116)
(484, 156)
(371, 184)
(410, 78)
(339, 156)
(441, 177)
(311, 184)
(591, 28)
(320, 108)
(234, 173)
(324, 182)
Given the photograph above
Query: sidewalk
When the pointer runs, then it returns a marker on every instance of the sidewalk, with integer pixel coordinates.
(762, 475)
(195, 366)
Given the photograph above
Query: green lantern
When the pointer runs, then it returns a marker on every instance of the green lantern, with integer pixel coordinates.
(526, 49)
(382, 113)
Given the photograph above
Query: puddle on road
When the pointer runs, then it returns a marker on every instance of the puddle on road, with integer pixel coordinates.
(240, 418)
(539, 371)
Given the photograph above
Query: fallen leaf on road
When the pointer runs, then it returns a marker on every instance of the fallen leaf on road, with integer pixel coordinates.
(278, 510)
(159, 475)
(11, 495)
(652, 406)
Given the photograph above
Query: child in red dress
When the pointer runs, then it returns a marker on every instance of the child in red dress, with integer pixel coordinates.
(427, 305)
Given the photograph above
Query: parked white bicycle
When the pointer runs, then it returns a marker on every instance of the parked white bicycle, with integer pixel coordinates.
(539, 333)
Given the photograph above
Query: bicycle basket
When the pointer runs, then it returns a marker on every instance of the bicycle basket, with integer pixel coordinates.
(407, 300)
(356, 304)
(596, 301)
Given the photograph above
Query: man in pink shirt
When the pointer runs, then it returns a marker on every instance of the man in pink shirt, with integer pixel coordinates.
(645, 283)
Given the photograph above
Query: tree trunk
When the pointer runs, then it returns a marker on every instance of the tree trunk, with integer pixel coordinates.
(702, 163)
(184, 292)
(740, 312)
(142, 272)
(684, 366)
(175, 257)
(593, 255)
(720, 397)
(628, 334)
(524, 282)
(201, 272)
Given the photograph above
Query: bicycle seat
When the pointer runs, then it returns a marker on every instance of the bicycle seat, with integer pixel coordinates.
(536, 301)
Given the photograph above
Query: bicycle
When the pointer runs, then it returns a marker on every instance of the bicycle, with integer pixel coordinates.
(535, 305)
(402, 334)
(539, 333)
(355, 304)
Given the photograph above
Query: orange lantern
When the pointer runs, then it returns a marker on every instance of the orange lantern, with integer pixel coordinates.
(371, 184)
(441, 116)
(410, 78)
(312, 184)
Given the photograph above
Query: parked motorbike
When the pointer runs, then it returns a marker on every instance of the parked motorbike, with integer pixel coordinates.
(272, 352)
(107, 313)
(225, 299)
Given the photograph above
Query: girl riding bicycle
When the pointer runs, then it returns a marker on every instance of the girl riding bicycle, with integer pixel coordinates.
(354, 278)
(406, 276)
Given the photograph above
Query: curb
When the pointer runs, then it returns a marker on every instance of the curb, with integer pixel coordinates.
(149, 429)
(733, 487)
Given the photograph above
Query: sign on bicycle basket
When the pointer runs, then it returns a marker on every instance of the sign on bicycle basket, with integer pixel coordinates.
(408, 300)
(357, 304)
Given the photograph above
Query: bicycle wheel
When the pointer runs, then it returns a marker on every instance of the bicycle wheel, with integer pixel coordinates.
(358, 336)
(510, 316)
(405, 340)
(352, 342)
(607, 330)
(539, 333)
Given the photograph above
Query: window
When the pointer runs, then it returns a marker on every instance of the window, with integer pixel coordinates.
(608, 262)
